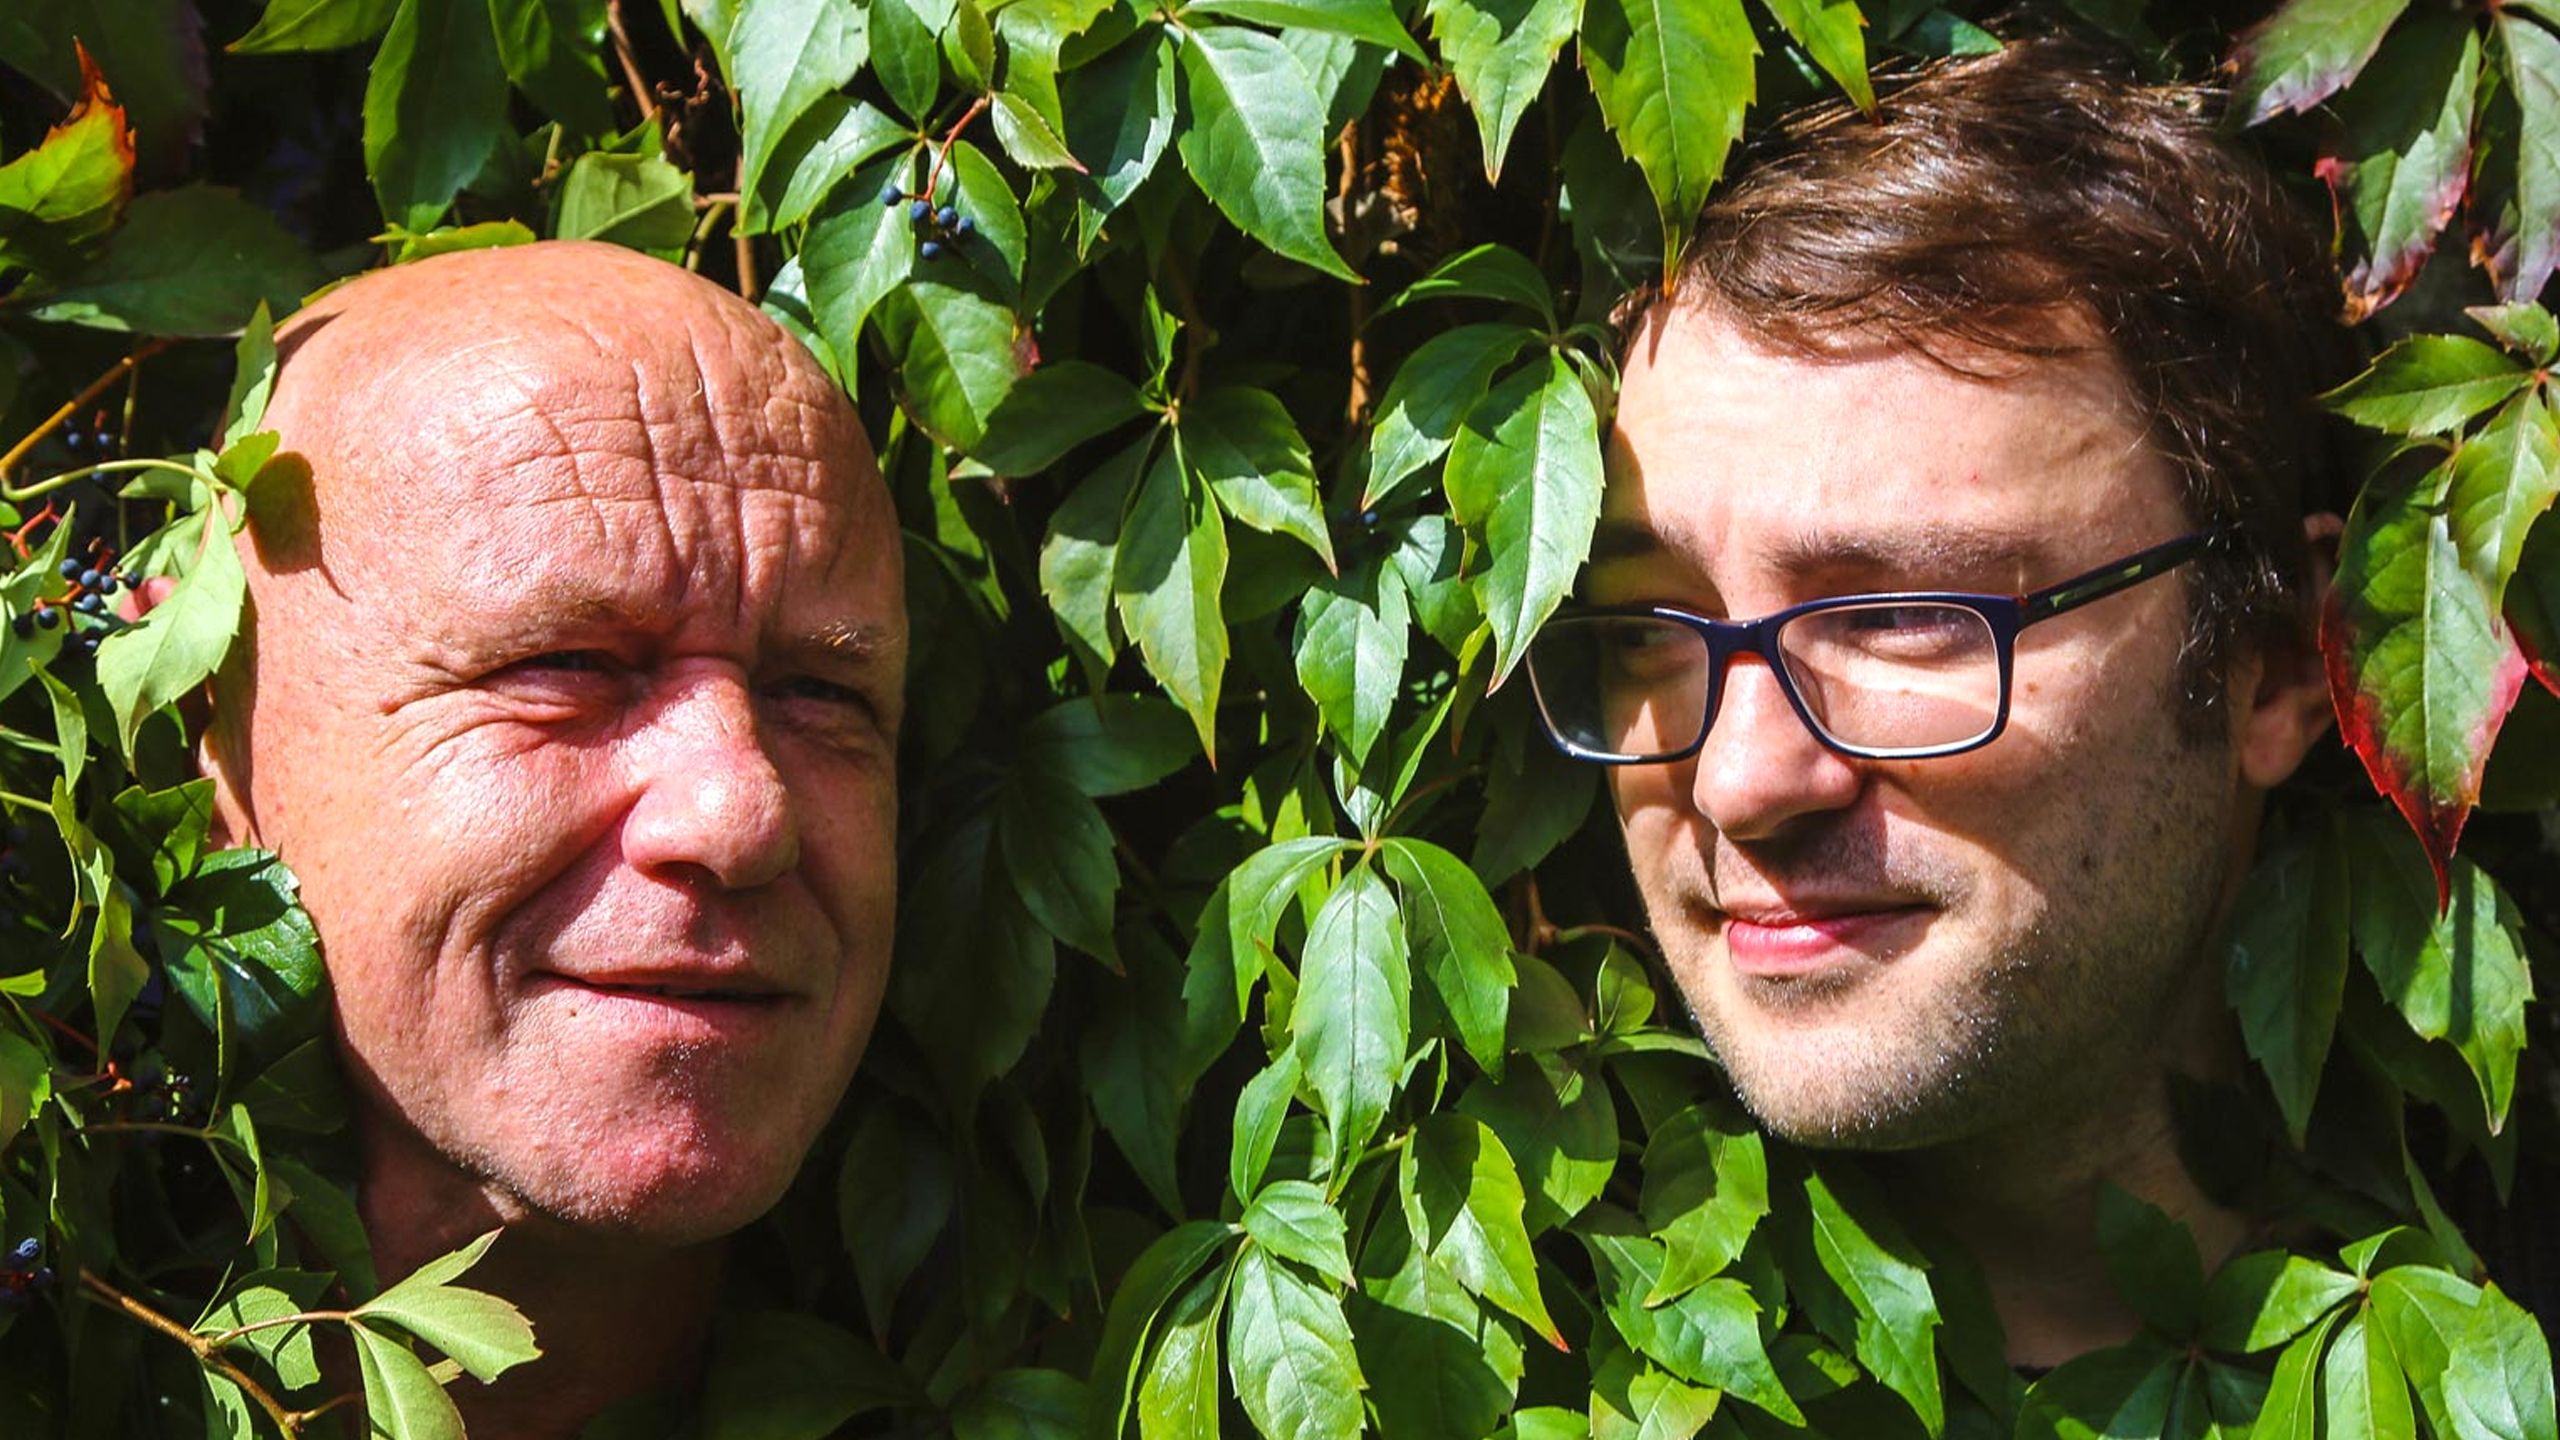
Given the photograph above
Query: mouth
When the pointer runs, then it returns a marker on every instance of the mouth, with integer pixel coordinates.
(674, 990)
(1785, 943)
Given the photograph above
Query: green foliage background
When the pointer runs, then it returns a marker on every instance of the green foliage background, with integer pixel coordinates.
(1269, 1049)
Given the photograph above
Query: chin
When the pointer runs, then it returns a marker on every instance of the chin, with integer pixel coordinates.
(676, 1182)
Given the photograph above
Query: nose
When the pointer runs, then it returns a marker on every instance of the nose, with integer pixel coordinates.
(711, 803)
(1761, 767)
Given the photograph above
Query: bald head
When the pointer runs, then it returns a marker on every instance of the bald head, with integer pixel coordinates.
(572, 698)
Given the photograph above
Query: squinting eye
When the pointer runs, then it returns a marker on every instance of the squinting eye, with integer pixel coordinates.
(810, 687)
(580, 662)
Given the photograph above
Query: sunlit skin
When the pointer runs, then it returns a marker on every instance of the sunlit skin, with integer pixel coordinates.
(1983, 961)
(573, 702)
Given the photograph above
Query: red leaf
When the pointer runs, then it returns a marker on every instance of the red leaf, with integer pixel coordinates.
(2420, 667)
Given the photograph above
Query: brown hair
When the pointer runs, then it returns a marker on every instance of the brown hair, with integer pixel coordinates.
(1996, 206)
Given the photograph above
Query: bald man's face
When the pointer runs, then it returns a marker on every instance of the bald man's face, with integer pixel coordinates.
(576, 712)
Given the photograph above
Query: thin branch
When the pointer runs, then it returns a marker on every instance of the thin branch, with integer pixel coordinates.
(73, 477)
(636, 82)
(207, 1354)
(950, 137)
(740, 240)
(299, 1317)
(71, 407)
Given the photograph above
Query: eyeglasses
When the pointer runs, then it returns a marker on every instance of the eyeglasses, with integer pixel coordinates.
(1897, 676)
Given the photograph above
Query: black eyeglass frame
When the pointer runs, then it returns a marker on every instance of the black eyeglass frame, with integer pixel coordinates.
(2004, 615)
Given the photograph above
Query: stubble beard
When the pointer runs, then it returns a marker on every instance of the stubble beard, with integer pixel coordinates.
(2033, 1028)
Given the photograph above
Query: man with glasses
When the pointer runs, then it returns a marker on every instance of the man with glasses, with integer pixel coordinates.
(1950, 615)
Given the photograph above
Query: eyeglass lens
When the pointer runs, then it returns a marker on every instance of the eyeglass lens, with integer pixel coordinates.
(1884, 677)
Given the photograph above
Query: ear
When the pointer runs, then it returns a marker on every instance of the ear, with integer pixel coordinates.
(2282, 691)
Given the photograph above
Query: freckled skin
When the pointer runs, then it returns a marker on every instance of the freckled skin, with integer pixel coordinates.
(2064, 879)
(585, 661)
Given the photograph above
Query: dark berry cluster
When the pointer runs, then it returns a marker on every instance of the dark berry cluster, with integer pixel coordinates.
(941, 227)
(91, 579)
(25, 1278)
(93, 439)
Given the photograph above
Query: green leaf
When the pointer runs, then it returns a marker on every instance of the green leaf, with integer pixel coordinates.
(2499, 1382)
(1885, 1283)
(263, 1298)
(979, 190)
(1525, 470)
(1243, 444)
(1353, 1015)
(253, 378)
(813, 157)
(1151, 1280)
(2501, 479)
(1292, 1219)
(784, 57)
(1179, 1398)
(1673, 78)
(1486, 272)
(2306, 52)
(26, 1082)
(1709, 1335)
(1260, 1108)
(2361, 1390)
(1020, 1404)
(2287, 969)
(71, 187)
(2266, 1298)
(117, 971)
(1371, 20)
(1352, 632)
(2427, 1315)
(636, 200)
(1832, 32)
(1057, 847)
(1501, 51)
(2126, 1391)
(1289, 1351)
(2533, 77)
(1081, 551)
(1438, 1363)
(1631, 1400)
(486, 1334)
(175, 648)
(2400, 158)
(194, 261)
(1108, 744)
(400, 1398)
(2429, 385)
(1460, 942)
(1566, 1149)
(314, 25)
(2152, 1260)
(978, 981)
(1028, 136)
(906, 55)
(957, 351)
(2420, 668)
(2457, 974)
(1463, 1203)
(2292, 1409)
(1254, 145)
(969, 45)
(1433, 390)
(1120, 114)
(1171, 562)
(1706, 1188)
(2523, 327)
(779, 1376)
(434, 108)
(553, 51)
(1051, 411)
(858, 251)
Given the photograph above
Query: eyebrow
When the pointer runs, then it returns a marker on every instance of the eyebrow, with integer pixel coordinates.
(847, 640)
(1918, 551)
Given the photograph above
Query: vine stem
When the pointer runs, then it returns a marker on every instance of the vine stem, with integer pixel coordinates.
(71, 407)
(299, 1317)
(103, 467)
(207, 1352)
(641, 94)
(950, 137)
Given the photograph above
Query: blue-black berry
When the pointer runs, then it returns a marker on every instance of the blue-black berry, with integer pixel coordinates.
(90, 604)
(107, 583)
(946, 217)
(71, 569)
(929, 250)
(76, 441)
(25, 1252)
(890, 195)
(91, 579)
(964, 227)
(22, 625)
(921, 211)
(48, 617)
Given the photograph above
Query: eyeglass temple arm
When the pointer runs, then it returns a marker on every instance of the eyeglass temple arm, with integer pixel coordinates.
(2106, 580)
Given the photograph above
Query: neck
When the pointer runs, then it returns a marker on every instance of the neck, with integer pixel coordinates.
(615, 1316)
(2022, 1201)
